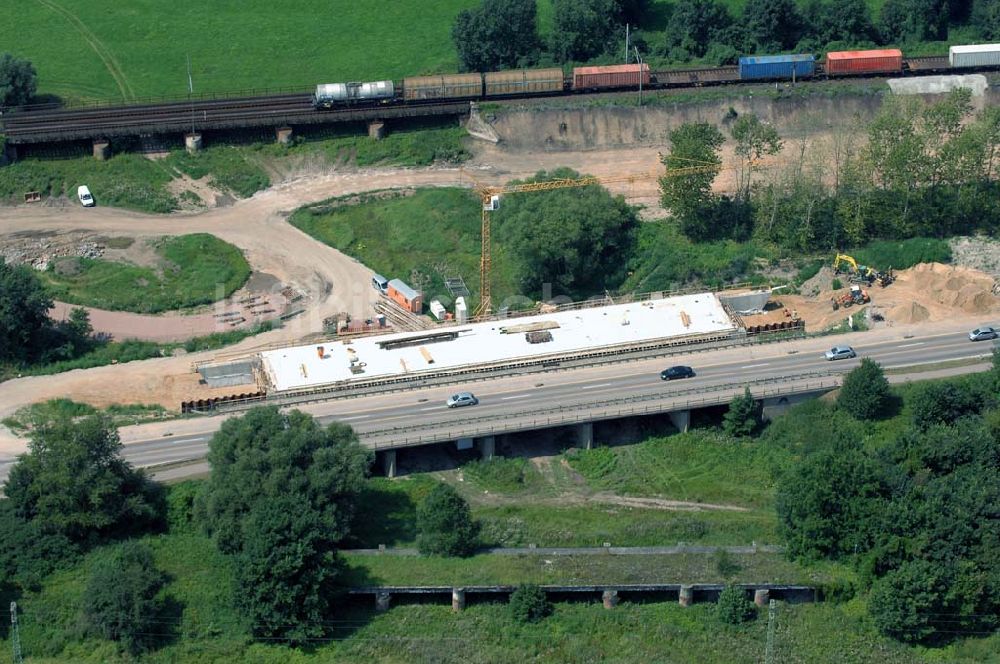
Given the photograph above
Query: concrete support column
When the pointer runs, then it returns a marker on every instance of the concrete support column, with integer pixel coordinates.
(761, 596)
(192, 142)
(686, 597)
(681, 419)
(389, 463)
(376, 129)
(610, 599)
(102, 149)
(9, 154)
(585, 435)
(283, 135)
(457, 599)
(487, 447)
(382, 601)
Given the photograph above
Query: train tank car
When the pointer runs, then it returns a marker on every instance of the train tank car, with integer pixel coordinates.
(524, 81)
(449, 86)
(329, 95)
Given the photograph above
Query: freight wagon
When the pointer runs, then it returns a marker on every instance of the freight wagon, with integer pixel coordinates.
(975, 55)
(523, 81)
(880, 61)
(610, 77)
(448, 86)
(767, 67)
(330, 94)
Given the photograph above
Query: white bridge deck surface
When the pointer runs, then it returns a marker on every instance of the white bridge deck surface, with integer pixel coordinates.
(582, 330)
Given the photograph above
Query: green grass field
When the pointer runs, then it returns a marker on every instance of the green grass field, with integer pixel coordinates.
(434, 231)
(194, 269)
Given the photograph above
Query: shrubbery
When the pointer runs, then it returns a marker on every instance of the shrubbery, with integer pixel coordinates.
(528, 604)
(444, 524)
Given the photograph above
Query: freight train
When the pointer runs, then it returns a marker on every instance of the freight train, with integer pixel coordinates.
(538, 82)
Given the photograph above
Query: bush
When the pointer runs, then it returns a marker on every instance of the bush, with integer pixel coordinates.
(725, 565)
(865, 393)
(528, 604)
(942, 403)
(744, 415)
(733, 607)
(120, 603)
(885, 254)
(836, 284)
(445, 525)
(180, 506)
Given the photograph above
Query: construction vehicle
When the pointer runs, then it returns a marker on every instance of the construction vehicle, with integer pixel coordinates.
(856, 295)
(862, 274)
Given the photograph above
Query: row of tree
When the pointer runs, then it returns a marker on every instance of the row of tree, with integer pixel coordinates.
(923, 170)
(917, 517)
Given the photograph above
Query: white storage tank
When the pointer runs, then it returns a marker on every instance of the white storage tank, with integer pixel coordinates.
(974, 55)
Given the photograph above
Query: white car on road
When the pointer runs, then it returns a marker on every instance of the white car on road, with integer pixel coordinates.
(83, 193)
(840, 353)
(462, 399)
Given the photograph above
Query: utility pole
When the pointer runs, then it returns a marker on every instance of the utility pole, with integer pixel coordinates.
(15, 636)
(190, 92)
(639, 60)
(772, 613)
(626, 43)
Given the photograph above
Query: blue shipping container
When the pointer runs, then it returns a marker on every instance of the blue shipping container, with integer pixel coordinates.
(777, 66)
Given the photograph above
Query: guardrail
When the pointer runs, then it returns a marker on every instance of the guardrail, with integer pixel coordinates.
(567, 414)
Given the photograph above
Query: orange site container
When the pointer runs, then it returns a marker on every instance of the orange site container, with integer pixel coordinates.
(889, 60)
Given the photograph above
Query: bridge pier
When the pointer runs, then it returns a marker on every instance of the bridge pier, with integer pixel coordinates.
(389, 463)
(610, 599)
(761, 596)
(102, 149)
(9, 154)
(680, 419)
(487, 447)
(585, 435)
(192, 142)
(283, 135)
(457, 599)
(686, 596)
(376, 130)
(382, 601)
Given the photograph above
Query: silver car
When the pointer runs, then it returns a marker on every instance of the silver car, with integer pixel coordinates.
(462, 399)
(840, 353)
(983, 333)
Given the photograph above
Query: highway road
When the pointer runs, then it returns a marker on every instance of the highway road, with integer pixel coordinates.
(511, 398)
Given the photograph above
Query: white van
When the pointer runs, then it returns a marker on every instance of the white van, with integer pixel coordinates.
(84, 195)
(380, 283)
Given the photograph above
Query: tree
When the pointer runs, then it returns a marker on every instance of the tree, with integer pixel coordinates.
(497, 34)
(832, 503)
(27, 553)
(286, 569)
(744, 415)
(865, 393)
(577, 240)
(942, 403)
(689, 197)
(733, 607)
(18, 81)
(906, 603)
(847, 21)
(266, 455)
(24, 313)
(444, 524)
(74, 482)
(986, 15)
(528, 604)
(914, 21)
(581, 29)
(693, 26)
(120, 603)
(754, 141)
(772, 25)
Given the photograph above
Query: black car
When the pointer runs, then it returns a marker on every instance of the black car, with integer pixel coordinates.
(677, 372)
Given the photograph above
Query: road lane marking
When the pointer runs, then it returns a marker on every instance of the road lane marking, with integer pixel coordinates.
(431, 408)
(754, 366)
(919, 343)
(594, 387)
(353, 417)
(515, 396)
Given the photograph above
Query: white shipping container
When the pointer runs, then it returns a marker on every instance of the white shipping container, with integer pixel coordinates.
(974, 55)
(461, 311)
(437, 310)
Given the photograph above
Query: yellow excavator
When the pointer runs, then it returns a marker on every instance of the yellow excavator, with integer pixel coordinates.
(862, 274)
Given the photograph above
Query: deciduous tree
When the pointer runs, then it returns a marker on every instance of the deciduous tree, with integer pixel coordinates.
(694, 151)
(734, 607)
(497, 34)
(744, 415)
(581, 29)
(754, 141)
(865, 393)
(693, 26)
(18, 80)
(772, 25)
(444, 524)
(528, 604)
(24, 309)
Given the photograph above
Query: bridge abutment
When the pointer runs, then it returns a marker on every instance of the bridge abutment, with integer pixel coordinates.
(680, 419)
(284, 135)
(102, 149)
(9, 154)
(376, 130)
(192, 142)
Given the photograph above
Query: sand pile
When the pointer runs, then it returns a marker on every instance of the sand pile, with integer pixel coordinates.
(909, 313)
(962, 289)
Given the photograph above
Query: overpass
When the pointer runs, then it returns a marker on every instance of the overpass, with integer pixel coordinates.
(409, 418)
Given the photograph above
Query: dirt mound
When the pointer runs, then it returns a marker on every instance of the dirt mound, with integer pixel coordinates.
(909, 313)
(958, 288)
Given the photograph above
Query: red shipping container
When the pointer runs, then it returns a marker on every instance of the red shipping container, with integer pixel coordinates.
(611, 76)
(888, 60)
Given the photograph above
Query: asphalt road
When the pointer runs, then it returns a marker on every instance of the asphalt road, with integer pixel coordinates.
(514, 397)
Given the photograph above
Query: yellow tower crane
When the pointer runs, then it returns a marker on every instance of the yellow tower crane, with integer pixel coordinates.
(490, 196)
